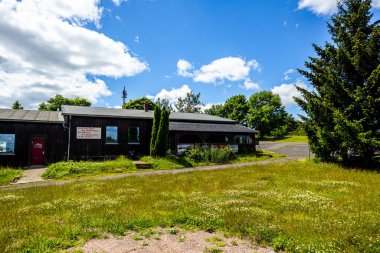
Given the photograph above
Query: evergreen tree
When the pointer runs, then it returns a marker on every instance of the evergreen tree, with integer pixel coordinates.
(161, 144)
(191, 103)
(155, 128)
(16, 105)
(343, 108)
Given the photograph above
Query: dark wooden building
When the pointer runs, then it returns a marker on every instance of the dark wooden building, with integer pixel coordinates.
(31, 137)
(82, 133)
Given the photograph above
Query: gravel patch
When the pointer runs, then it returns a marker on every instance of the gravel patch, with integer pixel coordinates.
(169, 241)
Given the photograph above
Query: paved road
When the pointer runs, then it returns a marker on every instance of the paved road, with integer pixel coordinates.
(293, 150)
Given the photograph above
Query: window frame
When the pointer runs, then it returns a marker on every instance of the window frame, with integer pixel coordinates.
(138, 136)
(14, 146)
(117, 136)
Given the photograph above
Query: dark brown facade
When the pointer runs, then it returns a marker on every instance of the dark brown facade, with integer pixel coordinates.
(26, 133)
(95, 149)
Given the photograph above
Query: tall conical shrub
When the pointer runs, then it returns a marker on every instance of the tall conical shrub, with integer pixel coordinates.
(161, 144)
(155, 128)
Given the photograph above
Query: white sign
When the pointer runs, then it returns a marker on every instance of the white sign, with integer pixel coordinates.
(89, 133)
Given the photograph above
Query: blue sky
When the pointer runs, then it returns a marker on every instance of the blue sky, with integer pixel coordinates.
(226, 47)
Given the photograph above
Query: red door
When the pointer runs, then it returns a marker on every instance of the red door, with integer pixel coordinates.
(38, 151)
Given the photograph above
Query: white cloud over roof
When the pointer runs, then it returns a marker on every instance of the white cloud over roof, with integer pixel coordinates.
(45, 49)
(220, 70)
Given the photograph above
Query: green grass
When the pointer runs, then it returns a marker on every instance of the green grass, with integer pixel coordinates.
(7, 175)
(174, 162)
(290, 138)
(71, 169)
(295, 207)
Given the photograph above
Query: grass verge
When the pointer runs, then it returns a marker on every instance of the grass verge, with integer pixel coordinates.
(291, 138)
(7, 175)
(295, 207)
(71, 169)
(174, 162)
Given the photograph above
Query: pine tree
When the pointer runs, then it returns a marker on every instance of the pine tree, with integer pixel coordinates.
(16, 105)
(155, 128)
(161, 144)
(343, 108)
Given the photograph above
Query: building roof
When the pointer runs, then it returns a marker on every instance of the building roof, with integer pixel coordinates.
(30, 116)
(205, 127)
(138, 114)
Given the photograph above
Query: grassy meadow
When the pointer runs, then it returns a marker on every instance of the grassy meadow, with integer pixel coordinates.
(296, 207)
(86, 169)
(290, 138)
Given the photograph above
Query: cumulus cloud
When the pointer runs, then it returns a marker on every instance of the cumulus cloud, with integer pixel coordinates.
(325, 7)
(288, 73)
(218, 71)
(45, 49)
(288, 91)
(183, 68)
(172, 95)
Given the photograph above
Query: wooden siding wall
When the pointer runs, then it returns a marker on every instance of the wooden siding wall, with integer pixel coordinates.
(98, 149)
(53, 134)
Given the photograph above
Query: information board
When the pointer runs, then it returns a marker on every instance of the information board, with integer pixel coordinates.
(89, 133)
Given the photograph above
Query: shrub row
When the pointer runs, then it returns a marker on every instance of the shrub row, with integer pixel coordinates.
(211, 154)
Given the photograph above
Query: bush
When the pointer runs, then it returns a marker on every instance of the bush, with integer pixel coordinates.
(70, 168)
(7, 175)
(212, 155)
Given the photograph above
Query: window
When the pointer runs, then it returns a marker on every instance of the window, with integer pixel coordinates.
(7, 144)
(133, 135)
(111, 135)
(243, 139)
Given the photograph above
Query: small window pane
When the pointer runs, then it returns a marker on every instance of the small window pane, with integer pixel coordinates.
(133, 135)
(7, 144)
(243, 139)
(111, 134)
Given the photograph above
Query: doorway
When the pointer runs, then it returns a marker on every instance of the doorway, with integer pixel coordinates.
(38, 151)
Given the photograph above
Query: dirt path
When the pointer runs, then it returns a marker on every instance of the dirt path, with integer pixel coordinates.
(147, 173)
(31, 175)
(171, 240)
(294, 151)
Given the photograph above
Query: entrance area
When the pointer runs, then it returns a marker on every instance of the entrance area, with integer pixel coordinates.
(38, 151)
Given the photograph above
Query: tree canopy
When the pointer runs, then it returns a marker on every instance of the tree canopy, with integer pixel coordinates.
(138, 104)
(343, 108)
(16, 105)
(191, 103)
(56, 102)
(267, 114)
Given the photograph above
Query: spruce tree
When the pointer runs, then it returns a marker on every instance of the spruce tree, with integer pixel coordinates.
(16, 105)
(161, 144)
(155, 128)
(343, 106)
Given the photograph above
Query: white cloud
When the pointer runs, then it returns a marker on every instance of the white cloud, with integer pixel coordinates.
(288, 73)
(183, 68)
(172, 95)
(45, 50)
(137, 39)
(288, 91)
(325, 7)
(118, 2)
(228, 68)
(249, 85)
(218, 71)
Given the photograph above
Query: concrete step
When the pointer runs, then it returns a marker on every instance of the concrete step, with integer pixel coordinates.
(142, 165)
